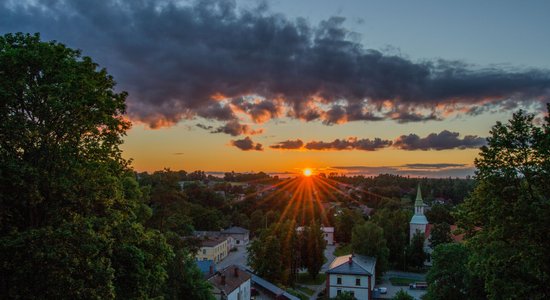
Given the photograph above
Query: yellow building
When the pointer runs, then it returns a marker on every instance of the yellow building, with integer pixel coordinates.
(213, 248)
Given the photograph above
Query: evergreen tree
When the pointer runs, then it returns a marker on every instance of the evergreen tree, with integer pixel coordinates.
(316, 245)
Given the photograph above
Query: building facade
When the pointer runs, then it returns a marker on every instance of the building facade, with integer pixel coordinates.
(214, 248)
(351, 273)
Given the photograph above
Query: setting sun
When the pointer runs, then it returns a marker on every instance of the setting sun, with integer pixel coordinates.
(307, 172)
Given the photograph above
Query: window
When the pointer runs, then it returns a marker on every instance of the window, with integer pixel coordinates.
(203, 251)
(338, 280)
(338, 292)
(358, 281)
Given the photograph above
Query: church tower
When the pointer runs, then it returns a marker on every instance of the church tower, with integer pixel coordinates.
(418, 221)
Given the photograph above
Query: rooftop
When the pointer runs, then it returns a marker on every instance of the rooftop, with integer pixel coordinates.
(353, 264)
(235, 229)
(212, 241)
(234, 277)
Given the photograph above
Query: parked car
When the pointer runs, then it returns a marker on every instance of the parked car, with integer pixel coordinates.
(383, 290)
(418, 286)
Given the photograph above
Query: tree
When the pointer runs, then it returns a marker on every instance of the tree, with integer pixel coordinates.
(449, 276)
(506, 217)
(440, 234)
(395, 224)
(402, 295)
(344, 223)
(264, 256)
(71, 216)
(316, 245)
(368, 239)
(439, 213)
(415, 251)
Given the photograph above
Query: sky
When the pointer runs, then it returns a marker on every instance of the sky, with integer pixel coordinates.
(362, 87)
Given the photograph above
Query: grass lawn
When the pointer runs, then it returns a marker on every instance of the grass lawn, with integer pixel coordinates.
(304, 278)
(297, 294)
(305, 290)
(400, 281)
(342, 250)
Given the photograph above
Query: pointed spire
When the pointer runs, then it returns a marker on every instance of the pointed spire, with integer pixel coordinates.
(418, 201)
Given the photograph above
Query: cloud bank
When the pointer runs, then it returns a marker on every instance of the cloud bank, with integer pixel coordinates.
(445, 140)
(212, 59)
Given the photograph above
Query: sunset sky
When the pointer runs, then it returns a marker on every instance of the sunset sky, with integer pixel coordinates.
(405, 87)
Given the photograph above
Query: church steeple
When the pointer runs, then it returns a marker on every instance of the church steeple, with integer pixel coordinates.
(419, 222)
(419, 204)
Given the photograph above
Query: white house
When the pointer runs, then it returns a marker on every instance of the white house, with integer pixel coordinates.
(351, 273)
(231, 283)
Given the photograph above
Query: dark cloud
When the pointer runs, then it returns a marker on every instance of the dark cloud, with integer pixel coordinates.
(235, 128)
(351, 143)
(205, 127)
(247, 144)
(289, 144)
(179, 60)
(438, 141)
(178, 153)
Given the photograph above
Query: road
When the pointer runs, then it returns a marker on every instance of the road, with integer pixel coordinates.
(238, 257)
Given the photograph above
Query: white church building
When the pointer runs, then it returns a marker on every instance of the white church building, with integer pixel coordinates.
(419, 223)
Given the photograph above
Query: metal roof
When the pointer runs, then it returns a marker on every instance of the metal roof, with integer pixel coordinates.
(360, 265)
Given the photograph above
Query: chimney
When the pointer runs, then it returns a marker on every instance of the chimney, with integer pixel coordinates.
(350, 260)
(211, 270)
(223, 279)
(236, 272)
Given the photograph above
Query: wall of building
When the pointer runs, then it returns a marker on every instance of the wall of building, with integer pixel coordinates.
(215, 253)
(348, 284)
(241, 293)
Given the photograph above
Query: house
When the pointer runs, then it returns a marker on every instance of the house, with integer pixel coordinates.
(213, 248)
(239, 234)
(216, 234)
(231, 283)
(351, 273)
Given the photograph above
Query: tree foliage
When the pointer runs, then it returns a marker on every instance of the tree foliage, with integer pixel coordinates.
(507, 215)
(416, 256)
(368, 239)
(71, 214)
(440, 234)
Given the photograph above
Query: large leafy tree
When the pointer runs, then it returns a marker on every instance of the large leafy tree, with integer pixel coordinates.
(368, 239)
(507, 215)
(440, 234)
(395, 223)
(415, 251)
(449, 275)
(70, 214)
